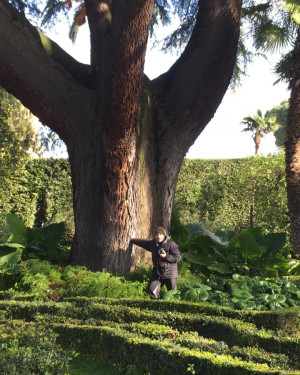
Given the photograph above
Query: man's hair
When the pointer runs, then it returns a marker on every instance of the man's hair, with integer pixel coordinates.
(161, 230)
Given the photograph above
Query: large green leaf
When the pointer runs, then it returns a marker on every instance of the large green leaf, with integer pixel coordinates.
(197, 294)
(201, 259)
(272, 266)
(172, 295)
(12, 259)
(202, 242)
(17, 229)
(248, 246)
(11, 245)
(220, 267)
(52, 234)
(273, 242)
(216, 282)
(215, 238)
(225, 234)
(44, 239)
(195, 228)
(242, 295)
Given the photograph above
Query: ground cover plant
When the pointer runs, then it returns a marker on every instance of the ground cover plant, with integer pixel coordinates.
(242, 292)
(242, 270)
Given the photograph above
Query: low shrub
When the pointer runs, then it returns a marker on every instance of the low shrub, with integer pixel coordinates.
(43, 280)
(155, 356)
(31, 349)
(78, 281)
(220, 335)
(286, 320)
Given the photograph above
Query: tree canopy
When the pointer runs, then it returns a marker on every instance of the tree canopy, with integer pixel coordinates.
(259, 125)
(18, 135)
(280, 112)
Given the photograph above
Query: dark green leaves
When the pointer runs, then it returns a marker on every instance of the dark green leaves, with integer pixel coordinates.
(18, 242)
(250, 253)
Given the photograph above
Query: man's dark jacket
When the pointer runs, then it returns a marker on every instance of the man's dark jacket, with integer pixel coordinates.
(165, 268)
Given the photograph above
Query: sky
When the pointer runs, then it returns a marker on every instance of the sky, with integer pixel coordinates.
(223, 136)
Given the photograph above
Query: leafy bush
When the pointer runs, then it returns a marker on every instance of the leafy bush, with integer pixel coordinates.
(53, 282)
(31, 350)
(250, 252)
(19, 243)
(78, 281)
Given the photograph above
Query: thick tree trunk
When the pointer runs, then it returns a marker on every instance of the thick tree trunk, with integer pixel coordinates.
(126, 136)
(292, 149)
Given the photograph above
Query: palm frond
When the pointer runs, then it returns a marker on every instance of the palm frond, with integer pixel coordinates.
(283, 68)
(293, 6)
(269, 36)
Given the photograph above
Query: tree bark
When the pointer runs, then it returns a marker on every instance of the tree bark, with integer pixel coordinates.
(257, 140)
(126, 136)
(292, 149)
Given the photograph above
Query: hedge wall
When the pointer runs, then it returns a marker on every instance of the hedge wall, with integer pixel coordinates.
(214, 192)
(38, 189)
(221, 192)
(160, 342)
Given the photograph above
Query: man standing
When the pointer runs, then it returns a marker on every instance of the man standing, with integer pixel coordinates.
(165, 256)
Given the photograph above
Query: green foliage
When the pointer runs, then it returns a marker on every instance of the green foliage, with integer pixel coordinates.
(122, 334)
(39, 190)
(17, 242)
(31, 350)
(197, 294)
(205, 335)
(91, 366)
(243, 292)
(249, 252)
(280, 112)
(180, 234)
(216, 193)
(18, 135)
(142, 274)
(17, 138)
(295, 269)
(79, 281)
(221, 193)
(259, 125)
(41, 279)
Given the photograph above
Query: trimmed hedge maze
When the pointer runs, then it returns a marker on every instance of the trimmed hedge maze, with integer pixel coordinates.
(162, 337)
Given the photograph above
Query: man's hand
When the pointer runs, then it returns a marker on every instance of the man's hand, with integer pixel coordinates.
(162, 253)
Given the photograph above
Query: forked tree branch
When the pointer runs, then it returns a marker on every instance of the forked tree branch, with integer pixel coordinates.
(191, 91)
(40, 74)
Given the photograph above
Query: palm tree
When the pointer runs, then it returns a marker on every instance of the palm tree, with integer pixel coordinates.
(277, 26)
(259, 125)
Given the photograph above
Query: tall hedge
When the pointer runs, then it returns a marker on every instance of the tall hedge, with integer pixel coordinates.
(221, 192)
(214, 192)
(37, 190)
